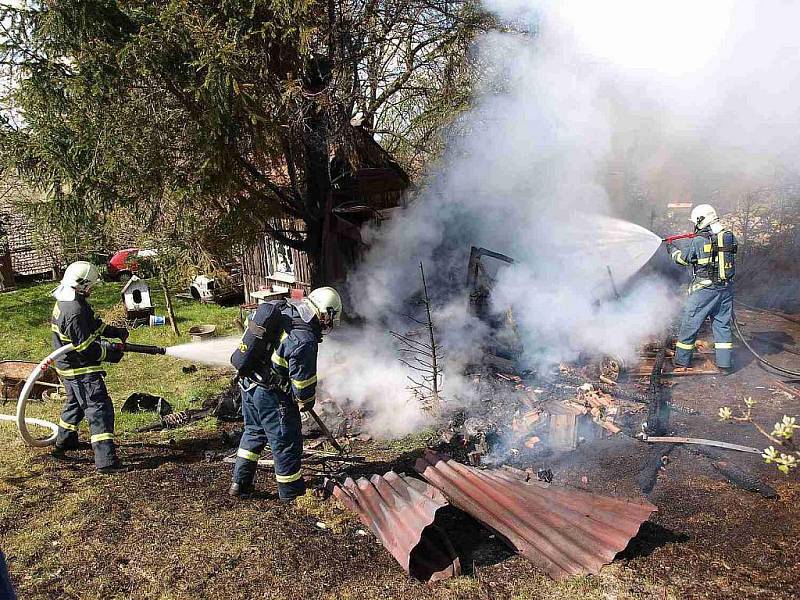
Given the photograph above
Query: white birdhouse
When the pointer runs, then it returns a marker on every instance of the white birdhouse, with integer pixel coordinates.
(136, 296)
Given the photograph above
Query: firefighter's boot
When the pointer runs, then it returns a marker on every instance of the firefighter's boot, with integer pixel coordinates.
(241, 490)
(288, 492)
(60, 452)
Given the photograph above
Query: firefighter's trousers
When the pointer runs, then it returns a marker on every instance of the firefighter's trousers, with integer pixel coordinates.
(87, 396)
(711, 302)
(271, 416)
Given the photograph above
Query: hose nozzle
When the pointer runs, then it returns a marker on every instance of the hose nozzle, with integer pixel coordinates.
(142, 349)
(682, 236)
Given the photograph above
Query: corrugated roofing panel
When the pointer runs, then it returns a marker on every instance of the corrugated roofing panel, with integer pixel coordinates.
(401, 511)
(564, 531)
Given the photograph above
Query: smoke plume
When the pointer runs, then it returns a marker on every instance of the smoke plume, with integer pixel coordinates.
(360, 368)
(686, 99)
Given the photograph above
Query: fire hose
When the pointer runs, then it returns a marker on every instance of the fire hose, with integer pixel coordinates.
(758, 357)
(22, 421)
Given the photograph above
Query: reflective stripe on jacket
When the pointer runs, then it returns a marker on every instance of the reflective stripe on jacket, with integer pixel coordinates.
(708, 267)
(75, 323)
(295, 357)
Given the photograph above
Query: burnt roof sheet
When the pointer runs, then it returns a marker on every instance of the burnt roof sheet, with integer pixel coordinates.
(401, 511)
(564, 531)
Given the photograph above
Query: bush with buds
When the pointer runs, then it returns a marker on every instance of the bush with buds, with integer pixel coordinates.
(782, 435)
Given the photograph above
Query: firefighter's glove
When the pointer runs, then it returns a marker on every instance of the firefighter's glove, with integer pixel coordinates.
(119, 333)
(113, 352)
(306, 405)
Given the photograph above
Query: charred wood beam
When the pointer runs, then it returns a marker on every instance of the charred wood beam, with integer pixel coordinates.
(657, 422)
(648, 475)
(733, 473)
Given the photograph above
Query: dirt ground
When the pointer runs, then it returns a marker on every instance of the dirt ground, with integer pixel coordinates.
(168, 530)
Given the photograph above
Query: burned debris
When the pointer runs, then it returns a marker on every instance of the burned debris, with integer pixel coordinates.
(523, 417)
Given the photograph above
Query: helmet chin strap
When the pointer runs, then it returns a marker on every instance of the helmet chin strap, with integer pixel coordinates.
(313, 304)
(714, 227)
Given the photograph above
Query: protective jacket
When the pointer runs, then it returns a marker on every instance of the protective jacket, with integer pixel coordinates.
(712, 257)
(74, 322)
(293, 364)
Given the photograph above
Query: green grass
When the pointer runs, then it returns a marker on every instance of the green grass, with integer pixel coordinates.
(409, 443)
(330, 513)
(25, 335)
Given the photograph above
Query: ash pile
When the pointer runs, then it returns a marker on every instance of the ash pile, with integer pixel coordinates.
(520, 417)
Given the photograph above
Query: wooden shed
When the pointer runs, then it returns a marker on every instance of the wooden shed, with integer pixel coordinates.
(368, 185)
(28, 257)
(6, 271)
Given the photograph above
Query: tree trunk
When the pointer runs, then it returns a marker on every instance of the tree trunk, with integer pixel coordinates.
(318, 188)
(316, 261)
(168, 302)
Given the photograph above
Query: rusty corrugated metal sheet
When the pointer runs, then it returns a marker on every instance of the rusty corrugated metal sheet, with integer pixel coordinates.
(564, 531)
(400, 511)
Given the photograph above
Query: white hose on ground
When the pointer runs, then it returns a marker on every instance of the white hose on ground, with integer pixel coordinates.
(21, 420)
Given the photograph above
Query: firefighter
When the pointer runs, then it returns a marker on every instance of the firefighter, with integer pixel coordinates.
(272, 402)
(81, 370)
(711, 256)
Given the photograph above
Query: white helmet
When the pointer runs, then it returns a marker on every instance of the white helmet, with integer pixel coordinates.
(81, 277)
(326, 301)
(703, 215)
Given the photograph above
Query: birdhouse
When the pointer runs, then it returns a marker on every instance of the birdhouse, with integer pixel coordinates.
(136, 297)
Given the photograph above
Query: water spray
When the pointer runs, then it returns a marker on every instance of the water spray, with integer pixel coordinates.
(22, 421)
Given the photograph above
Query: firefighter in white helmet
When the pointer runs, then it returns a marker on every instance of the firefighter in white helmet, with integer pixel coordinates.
(74, 322)
(711, 254)
(278, 381)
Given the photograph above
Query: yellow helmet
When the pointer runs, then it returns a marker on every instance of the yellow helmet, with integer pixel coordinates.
(326, 301)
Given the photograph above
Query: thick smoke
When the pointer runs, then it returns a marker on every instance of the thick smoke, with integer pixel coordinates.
(526, 179)
(700, 97)
(359, 368)
(689, 100)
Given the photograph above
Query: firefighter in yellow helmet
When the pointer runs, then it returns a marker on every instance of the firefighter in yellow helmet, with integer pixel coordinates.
(74, 322)
(278, 384)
